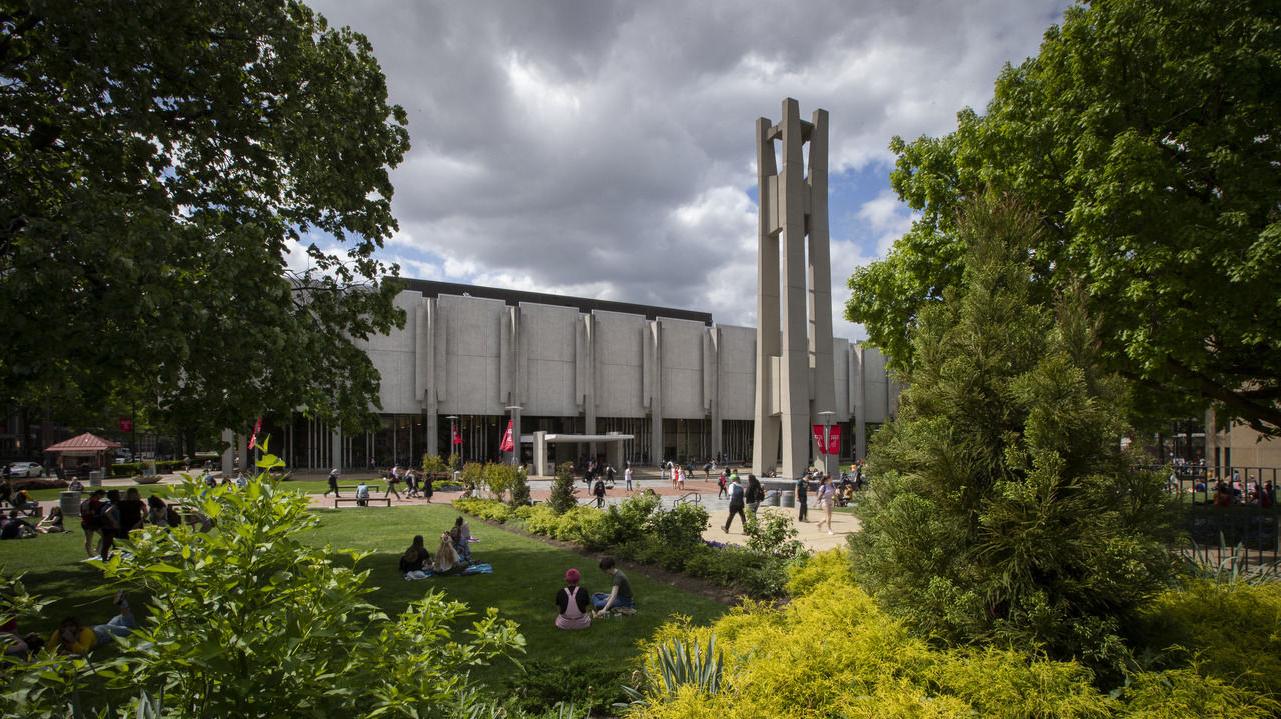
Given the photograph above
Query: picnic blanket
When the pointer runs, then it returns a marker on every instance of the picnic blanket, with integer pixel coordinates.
(480, 568)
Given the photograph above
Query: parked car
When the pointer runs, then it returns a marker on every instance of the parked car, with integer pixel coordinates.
(124, 454)
(25, 469)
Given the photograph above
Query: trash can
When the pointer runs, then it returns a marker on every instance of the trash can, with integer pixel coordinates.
(771, 498)
(789, 498)
(95, 478)
(69, 502)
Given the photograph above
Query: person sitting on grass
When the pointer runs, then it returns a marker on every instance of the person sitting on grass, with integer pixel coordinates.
(118, 626)
(447, 559)
(416, 558)
(22, 500)
(571, 603)
(620, 596)
(460, 533)
(52, 524)
(15, 527)
(72, 638)
(362, 494)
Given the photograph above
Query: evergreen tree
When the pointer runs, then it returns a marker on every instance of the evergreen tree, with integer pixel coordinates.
(1003, 507)
(562, 497)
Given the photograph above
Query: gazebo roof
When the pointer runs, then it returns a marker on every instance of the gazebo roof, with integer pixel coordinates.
(86, 442)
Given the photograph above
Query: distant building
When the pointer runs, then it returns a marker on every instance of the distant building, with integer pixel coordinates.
(680, 384)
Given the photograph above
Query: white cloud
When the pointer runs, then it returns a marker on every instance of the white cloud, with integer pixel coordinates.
(606, 148)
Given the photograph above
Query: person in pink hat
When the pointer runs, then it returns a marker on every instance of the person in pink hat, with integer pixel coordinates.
(572, 601)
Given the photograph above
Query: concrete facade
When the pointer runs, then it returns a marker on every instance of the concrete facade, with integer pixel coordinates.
(677, 384)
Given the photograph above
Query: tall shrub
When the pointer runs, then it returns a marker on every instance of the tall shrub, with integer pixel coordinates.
(562, 497)
(249, 620)
(1004, 507)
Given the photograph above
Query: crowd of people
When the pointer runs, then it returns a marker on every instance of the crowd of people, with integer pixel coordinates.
(71, 636)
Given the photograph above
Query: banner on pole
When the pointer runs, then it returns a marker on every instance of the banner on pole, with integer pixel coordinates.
(458, 438)
(126, 424)
(253, 439)
(834, 440)
(507, 444)
(820, 439)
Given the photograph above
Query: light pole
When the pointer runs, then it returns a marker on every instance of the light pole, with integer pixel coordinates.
(827, 433)
(512, 410)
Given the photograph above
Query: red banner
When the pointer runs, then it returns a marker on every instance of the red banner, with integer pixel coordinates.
(126, 424)
(819, 439)
(458, 438)
(507, 444)
(834, 440)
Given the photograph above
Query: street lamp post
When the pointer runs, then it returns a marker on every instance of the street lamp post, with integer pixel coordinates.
(827, 433)
(513, 410)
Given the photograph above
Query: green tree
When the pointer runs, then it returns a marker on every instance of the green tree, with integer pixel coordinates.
(1145, 136)
(562, 497)
(249, 620)
(194, 193)
(1003, 506)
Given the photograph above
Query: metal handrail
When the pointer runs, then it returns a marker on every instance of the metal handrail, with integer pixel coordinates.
(689, 497)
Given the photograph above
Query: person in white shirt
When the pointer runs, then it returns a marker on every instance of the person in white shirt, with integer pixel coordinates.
(627, 476)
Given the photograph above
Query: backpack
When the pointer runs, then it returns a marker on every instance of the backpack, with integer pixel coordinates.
(736, 493)
(108, 515)
(89, 514)
(600, 487)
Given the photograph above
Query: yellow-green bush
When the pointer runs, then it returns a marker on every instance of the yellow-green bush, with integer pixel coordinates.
(833, 652)
(490, 509)
(1232, 630)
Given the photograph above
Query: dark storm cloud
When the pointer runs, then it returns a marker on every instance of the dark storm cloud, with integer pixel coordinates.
(605, 148)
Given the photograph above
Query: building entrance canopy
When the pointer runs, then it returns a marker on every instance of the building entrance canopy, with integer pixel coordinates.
(613, 449)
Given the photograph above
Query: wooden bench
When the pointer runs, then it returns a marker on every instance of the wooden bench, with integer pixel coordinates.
(385, 500)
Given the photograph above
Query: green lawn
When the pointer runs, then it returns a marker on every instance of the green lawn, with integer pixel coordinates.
(527, 574)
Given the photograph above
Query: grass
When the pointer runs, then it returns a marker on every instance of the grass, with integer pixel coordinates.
(527, 575)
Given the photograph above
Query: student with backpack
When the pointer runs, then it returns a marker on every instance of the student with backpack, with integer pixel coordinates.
(736, 502)
(599, 490)
(89, 518)
(109, 523)
(722, 486)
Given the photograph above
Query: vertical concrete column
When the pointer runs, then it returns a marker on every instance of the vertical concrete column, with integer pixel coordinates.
(860, 402)
(819, 272)
(242, 449)
(229, 453)
(766, 427)
(540, 453)
(713, 366)
(589, 379)
(655, 369)
(337, 449)
(794, 367)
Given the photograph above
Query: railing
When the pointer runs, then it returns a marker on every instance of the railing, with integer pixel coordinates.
(688, 498)
(1238, 529)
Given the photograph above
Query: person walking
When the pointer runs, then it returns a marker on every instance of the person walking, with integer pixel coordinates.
(825, 499)
(598, 489)
(722, 486)
(333, 483)
(393, 479)
(737, 499)
(802, 498)
(755, 494)
(427, 486)
(627, 476)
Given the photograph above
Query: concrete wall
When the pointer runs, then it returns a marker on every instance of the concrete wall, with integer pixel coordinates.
(474, 356)
(548, 336)
(619, 364)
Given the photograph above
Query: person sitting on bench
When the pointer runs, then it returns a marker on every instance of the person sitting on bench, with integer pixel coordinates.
(620, 596)
(572, 601)
(362, 494)
(15, 527)
(22, 501)
(416, 558)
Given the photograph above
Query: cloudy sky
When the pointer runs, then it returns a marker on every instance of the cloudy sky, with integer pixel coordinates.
(605, 149)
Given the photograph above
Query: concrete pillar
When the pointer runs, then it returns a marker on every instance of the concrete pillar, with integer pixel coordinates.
(794, 401)
(860, 403)
(655, 369)
(714, 367)
(338, 450)
(589, 377)
(228, 454)
(242, 450)
(768, 334)
(819, 281)
(540, 453)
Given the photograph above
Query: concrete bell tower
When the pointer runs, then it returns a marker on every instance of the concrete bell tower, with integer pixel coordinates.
(794, 376)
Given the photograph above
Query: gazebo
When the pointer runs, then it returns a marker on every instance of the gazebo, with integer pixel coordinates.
(86, 445)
